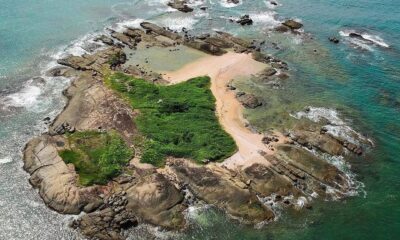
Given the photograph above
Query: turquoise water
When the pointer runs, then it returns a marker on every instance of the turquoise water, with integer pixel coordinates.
(361, 81)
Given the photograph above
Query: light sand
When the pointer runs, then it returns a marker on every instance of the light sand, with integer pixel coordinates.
(221, 70)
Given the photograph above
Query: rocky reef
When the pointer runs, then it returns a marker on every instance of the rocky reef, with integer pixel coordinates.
(158, 196)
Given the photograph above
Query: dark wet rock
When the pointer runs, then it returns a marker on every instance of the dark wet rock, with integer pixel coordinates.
(160, 31)
(117, 59)
(268, 72)
(46, 119)
(105, 39)
(245, 20)
(282, 28)
(134, 34)
(203, 36)
(62, 129)
(265, 181)
(292, 24)
(125, 39)
(322, 142)
(352, 147)
(77, 62)
(219, 42)
(93, 62)
(231, 87)
(268, 139)
(309, 167)
(205, 47)
(105, 224)
(180, 5)
(237, 41)
(334, 40)
(59, 72)
(213, 188)
(233, 1)
(248, 100)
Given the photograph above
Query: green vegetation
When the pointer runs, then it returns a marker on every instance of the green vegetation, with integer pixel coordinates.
(177, 120)
(97, 157)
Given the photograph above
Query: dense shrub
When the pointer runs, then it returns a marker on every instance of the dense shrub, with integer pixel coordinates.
(177, 120)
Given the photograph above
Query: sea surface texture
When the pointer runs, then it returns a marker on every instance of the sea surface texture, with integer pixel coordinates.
(355, 83)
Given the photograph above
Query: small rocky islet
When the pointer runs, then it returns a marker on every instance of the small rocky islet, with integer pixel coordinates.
(141, 193)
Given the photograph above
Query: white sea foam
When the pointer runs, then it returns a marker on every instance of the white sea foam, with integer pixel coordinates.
(5, 160)
(27, 97)
(366, 41)
(270, 5)
(132, 23)
(177, 23)
(336, 125)
(267, 18)
(224, 3)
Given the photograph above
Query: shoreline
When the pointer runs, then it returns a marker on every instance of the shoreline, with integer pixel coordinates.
(234, 185)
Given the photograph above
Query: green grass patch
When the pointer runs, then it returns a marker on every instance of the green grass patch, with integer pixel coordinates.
(97, 157)
(177, 120)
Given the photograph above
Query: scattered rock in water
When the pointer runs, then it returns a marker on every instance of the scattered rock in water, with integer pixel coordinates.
(282, 28)
(180, 5)
(245, 20)
(334, 40)
(292, 24)
(248, 100)
(267, 72)
(273, 3)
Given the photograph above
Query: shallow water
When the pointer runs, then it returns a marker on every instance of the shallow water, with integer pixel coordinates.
(360, 81)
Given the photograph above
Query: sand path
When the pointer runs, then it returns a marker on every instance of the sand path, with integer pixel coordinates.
(221, 70)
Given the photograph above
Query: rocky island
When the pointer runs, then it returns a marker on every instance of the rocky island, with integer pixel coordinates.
(138, 145)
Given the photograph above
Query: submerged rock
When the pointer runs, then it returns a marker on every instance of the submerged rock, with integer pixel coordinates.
(334, 40)
(248, 100)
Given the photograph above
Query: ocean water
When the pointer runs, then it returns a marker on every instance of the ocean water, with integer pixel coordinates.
(360, 81)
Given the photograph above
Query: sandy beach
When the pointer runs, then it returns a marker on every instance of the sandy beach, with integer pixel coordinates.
(221, 70)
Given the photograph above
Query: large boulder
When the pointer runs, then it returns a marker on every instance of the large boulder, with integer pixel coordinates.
(160, 31)
(248, 100)
(292, 24)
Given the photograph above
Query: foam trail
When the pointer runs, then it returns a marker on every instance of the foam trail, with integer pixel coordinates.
(5, 160)
(365, 40)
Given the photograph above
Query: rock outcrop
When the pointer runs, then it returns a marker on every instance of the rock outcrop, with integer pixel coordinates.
(180, 5)
(57, 181)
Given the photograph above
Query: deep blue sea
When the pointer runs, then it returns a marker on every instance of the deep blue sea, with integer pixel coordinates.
(360, 80)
